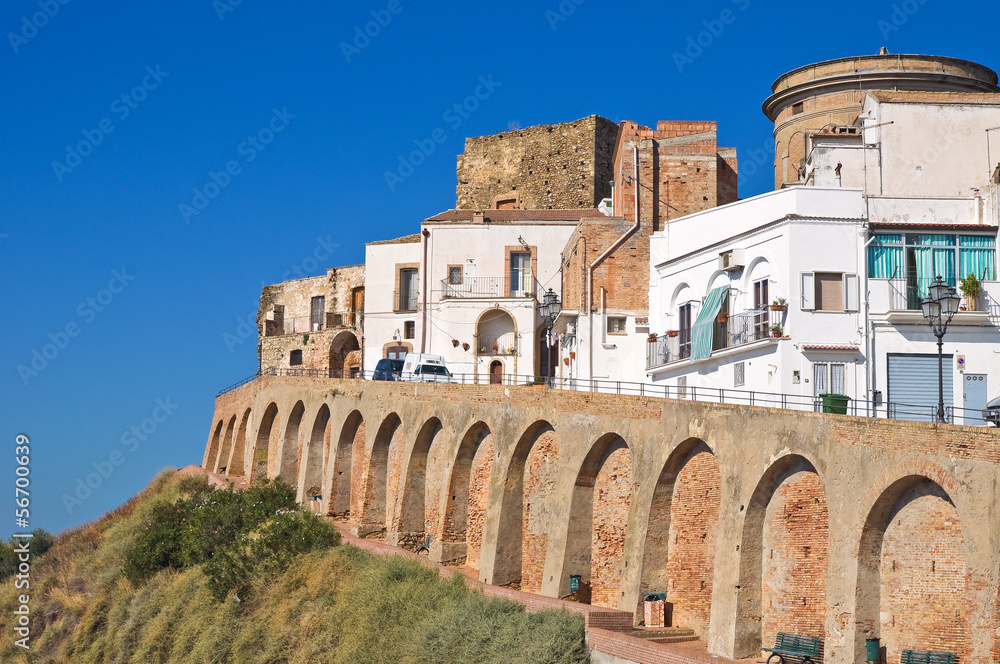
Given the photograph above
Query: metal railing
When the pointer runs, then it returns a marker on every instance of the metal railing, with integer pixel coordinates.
(740, 329)
(796, 402)
(306, 324)
(489, 287)
(405, 300)
(504, 344)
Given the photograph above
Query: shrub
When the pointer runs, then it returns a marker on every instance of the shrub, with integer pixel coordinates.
(40, 542)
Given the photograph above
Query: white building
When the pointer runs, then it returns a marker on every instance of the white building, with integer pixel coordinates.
(906, 194)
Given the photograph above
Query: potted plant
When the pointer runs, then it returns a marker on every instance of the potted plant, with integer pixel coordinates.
(465, 346)
(673, 333)
(775, 330)
(454, 343)
(779, 304)
(971, 287)
(723, 317)
(652, 337)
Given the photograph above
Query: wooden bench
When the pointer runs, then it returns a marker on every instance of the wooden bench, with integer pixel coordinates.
(927, 657)
(794, 645)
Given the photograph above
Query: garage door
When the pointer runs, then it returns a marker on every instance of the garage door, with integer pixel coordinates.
(913, 386)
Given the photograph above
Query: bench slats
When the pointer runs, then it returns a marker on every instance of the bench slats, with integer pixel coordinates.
(927, 657)
(796, 645)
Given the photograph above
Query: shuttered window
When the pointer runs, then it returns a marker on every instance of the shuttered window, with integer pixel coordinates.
(829, 291)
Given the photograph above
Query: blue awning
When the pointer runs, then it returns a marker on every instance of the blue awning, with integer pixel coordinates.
(704, 325)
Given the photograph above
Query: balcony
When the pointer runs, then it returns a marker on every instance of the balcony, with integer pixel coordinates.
(306, 324)
(504, 344)
(904, 304)
(489, 288)
(740, 329)
(405, 301)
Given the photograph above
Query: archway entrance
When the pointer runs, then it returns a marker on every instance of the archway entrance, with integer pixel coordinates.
(341, 346)
(496, 372)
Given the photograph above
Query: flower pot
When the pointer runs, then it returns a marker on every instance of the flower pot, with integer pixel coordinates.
(566, 361)
(454, 343)
(722, 318)
(972, 302)
(779, 307)
(465, 346)
(776, 335)
(673, 333)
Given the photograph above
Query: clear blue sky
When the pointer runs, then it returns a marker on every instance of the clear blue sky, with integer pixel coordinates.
(196, 86)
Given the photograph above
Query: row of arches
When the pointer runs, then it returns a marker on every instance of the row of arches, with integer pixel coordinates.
(526, 518)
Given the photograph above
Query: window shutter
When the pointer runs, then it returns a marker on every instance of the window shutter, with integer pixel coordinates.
(808, 296)
(850, 292)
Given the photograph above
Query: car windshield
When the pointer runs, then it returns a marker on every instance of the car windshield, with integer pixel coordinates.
(437, 370)
(395, 365)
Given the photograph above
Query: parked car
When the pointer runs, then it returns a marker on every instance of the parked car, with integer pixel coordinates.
(388, 369)
(425, 368)
(992, 412)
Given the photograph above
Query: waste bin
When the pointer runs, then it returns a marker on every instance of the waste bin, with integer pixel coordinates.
(872, 650)
(653, 606)
(574, 583)
(835, 403)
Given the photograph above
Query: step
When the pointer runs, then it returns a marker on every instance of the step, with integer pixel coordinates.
(664, 633)
(673, 639)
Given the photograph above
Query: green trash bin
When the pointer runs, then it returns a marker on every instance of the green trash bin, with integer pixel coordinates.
(835, 403)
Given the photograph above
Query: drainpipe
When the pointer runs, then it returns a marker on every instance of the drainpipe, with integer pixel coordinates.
(869, 331)
(600, 259)
(423, 322)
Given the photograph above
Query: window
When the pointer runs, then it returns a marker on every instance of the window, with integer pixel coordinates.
(916, 259)
(798, 108)
(454, 274)
(739, 374)
(760, 304)
(616, 324)
(409, 329)
(408, 289)
(829, 291)
(520, 273)
(829, 378)
(684, 336)
(317, 313)
(295, 358)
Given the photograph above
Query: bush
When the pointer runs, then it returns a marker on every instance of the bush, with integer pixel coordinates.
(40, 542)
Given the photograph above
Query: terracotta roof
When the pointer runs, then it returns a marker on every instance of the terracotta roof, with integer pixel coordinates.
(406, 239)
(913, 97)
(493, 216)
(846, 347)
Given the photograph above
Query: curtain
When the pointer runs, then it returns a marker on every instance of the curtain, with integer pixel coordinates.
(885, 257)
(924, 267)
(977, 255)
(944, 265)
(701, 331)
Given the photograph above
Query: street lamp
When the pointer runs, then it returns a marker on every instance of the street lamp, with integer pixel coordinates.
(939, 307)
(549, 309)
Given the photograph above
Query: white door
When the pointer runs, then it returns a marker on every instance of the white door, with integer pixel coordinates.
(974, 399)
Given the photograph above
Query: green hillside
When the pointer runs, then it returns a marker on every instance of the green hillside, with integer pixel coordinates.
(186, 573)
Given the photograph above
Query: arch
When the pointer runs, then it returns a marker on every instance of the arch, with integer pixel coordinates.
(261, 454)
(236, 465)
(374, 507)
(783, 556)
(465, 507)
(418, 508)
(911, 589)
(522, 536)
(227, 446)
(213, 447)
(496, 372)
(496, 331)
(342, 345)
(718, 278)
(599, 508)
(679, 292)
(313, 456)
(289, 463)
(679, 551)
(352, 435)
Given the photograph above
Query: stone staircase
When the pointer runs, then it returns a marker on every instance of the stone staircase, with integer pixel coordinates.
(664, 634)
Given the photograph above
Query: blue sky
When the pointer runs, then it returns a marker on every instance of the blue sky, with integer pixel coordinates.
(278, 139)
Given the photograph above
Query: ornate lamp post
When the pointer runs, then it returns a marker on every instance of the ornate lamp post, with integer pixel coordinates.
(939, 308)
(548, 310)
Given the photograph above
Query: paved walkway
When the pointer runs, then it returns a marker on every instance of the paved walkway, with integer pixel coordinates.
(605, 627)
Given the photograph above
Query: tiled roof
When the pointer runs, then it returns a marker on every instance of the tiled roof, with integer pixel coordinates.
(493, 216)
(846, 347)
(406, 239)
(913, 97)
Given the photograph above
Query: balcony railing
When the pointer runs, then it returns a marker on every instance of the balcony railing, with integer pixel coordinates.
(305, 324)
(485, 288)
(405, 300)
(505, 344)
(740, 329)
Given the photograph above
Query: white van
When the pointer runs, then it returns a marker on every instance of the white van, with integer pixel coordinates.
(425, 368)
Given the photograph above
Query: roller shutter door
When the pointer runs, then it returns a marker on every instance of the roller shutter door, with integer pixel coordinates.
(913, 386)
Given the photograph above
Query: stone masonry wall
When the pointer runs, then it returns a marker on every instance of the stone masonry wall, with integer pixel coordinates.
(612, 497)
(556, 166)
(540, 470)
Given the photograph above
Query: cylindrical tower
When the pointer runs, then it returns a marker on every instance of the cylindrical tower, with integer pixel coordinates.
(809, 98)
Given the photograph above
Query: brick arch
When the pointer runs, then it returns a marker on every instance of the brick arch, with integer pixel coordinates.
(236, 464)
(314, 453)
(214, 447)
(350, 446)
(679, 552)
(289, 455)
(374, 506)
(911, 588)
(599, 509)
(266, 430)
(468, 490)
(418, 507)
(340, 348)
(784, 555)
(521, 539)
(226, 446)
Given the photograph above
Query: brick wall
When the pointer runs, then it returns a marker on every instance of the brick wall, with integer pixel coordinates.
(479, 486)
(795, 551)
(612, 498)
(923, 600)
(540, 471)
(694, 517)
(347, 465)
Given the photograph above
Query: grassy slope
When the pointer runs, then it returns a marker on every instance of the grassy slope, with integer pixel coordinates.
(339, 605)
